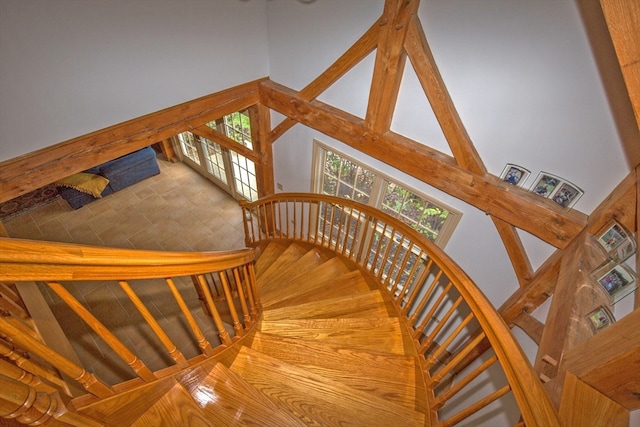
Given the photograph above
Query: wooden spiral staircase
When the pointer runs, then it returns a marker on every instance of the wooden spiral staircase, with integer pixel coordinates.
(338, 315)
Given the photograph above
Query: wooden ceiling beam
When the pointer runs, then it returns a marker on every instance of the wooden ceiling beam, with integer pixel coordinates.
(389, 63)
(520, 208)
(434, 88)
(356, 53)
(515, 250)
(34, 170)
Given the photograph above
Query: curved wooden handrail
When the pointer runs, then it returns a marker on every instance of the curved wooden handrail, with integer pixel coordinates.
(54, 263)
(34, 260)
(273, 216)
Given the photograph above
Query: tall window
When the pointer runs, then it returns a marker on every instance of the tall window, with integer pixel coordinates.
(231, 171)
(338, 175)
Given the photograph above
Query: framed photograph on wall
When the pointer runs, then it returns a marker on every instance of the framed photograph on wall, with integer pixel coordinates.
(566, 194)
(616, 280)
(545, 184)
(600, 318)
(514, 174)
(616, 241)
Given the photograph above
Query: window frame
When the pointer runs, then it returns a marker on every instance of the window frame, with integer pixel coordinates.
(379, 187)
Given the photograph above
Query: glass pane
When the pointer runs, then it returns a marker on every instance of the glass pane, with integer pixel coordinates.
(329, 185)
(188, 146)
(214, 159)
(420, 214)
(244, 174)
(331, 164)
(237, 126)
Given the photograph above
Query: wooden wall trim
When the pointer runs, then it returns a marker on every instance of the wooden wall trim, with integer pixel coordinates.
(28, 172)
(540, 217)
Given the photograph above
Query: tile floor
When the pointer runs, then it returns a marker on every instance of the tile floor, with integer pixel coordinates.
(177, 210)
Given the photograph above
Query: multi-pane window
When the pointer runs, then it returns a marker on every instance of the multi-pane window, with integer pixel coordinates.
(339, 175)
(232, 171)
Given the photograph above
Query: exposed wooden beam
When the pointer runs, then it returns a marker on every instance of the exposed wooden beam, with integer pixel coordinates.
(433, 85)
(356, 53)
(389, 63)
(531, 326)
(540, 217)
(260, 117)
(515, 250)
(28, 172)
(615, 42)
(623, 20)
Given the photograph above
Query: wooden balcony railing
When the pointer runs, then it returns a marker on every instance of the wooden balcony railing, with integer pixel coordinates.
(446, 312)
(224, 281)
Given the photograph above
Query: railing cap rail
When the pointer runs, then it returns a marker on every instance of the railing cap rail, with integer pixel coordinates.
(22, 259)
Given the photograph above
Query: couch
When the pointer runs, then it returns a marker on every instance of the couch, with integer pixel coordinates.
(121, 172)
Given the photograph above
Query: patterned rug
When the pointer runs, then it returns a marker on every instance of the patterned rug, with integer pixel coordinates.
(28, 202)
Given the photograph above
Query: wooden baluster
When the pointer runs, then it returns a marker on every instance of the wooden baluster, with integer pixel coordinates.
(425, 298)
(25, 377)
(222, 332)
(275, 230)
(11, 302)
(393, 281)
(247, 224)
(109, 338)
(387, 282)
(204, 345)
(433, 357)
(332, 219)
(241, 296)
(248, 287)
(347, 227)
(387, 252)
(33, 367)
(462, 383)
(472, 409)
(431, 312)
(237, 327)
(32, 407)
(254, 289)
(286, 218)
(88, 381)
(442, 372)
(297, 232)
(368, 236)
(434, 333)
(171, 348)
(24, 403)
(418, 284)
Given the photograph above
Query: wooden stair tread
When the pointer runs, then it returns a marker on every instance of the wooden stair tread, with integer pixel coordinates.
(175, 408)
(317, 400)
(377, 334)
(289, 273)
(395, 375)
(291, 254)
(229, 399)
(332, 274)
(363, 304)
(267, 255)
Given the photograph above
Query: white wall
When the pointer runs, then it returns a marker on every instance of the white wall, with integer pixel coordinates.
(523, 79)
(70, 67)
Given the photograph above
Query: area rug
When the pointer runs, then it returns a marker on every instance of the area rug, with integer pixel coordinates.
(28, 202)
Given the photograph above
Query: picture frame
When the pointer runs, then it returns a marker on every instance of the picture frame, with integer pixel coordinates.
(558, 189)
(600, 318)
(616, 241)
(545, 184)
(514, 174)
(616, 280)
(566, 194)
